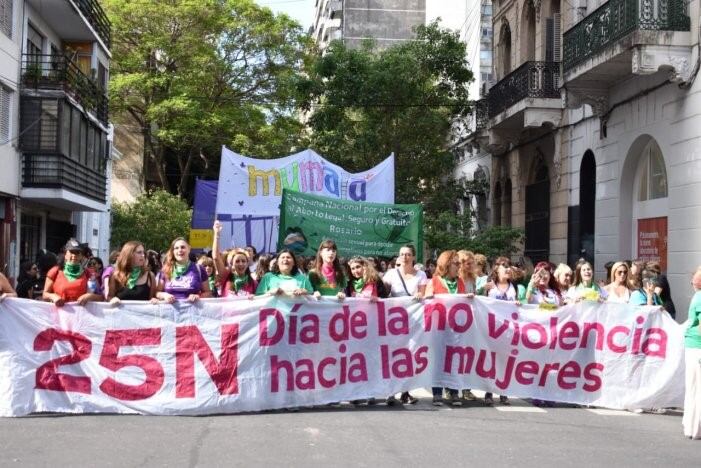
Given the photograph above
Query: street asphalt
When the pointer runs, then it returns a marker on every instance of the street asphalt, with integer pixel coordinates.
(414, 435)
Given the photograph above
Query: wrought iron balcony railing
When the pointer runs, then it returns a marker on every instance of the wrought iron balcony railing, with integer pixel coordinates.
(60, 73)
(530, 80)
(97, 18)
(59, 171)
(617, 18)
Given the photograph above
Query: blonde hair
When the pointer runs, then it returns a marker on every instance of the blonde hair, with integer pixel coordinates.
(615, 267)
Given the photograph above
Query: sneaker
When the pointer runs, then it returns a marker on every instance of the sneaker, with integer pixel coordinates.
(468, 395)
(437, 400)
(408, 399)
(488, 401)
(455, 399)
(392, 401)
(504, 400)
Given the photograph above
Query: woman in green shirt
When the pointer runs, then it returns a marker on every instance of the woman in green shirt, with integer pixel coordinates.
(692, 340)
(284, 277)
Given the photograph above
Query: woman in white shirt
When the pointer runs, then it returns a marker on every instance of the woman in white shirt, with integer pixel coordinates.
(617, 289)
(402, 281)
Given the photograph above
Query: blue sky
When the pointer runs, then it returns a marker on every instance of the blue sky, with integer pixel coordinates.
(301, 10)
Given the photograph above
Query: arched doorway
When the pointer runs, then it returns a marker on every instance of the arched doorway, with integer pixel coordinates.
(496, 205)
(528, 32)
(538, 214)
(587, 205)
(650, 205)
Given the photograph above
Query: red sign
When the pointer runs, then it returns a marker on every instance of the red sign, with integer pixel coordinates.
(652, 240)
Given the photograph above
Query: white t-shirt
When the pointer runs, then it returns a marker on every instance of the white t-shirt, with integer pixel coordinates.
(393, 279)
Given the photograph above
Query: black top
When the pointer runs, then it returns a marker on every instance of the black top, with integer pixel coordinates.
(140, 292)
(666, 296)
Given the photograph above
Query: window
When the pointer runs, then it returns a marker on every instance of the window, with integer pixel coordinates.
(6, 17)
(35, 42)
(652, 173)
(5, 100)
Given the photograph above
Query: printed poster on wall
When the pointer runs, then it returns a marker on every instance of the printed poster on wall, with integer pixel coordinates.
(652, 240)
(369, 229)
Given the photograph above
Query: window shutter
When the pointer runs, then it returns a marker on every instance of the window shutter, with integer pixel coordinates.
(557, 37)
(6, 17)
(5, 98)
(549, 42)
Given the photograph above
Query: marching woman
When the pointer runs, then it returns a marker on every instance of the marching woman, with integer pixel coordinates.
(211, 271)
(542, 288)
(284, 277)
(584, 286)
(646, 295)
(563, 277)
(691, 421)
(405, 280)
(131, 279)
(68, 281)
(364, 280)
(617, 290)
(180, 278)
(234, 276)
(446, 281)
(501, 287)
(327, 277)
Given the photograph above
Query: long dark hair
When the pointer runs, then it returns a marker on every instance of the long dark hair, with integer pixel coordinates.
(276, 268)
(318, 263)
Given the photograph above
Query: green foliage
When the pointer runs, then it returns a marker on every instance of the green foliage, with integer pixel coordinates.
(199, 74)
(154, 218)
(451, 231)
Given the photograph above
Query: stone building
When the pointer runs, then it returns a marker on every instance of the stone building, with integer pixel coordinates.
(593, 128)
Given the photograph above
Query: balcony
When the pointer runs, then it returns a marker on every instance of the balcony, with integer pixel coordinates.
(59, 73)
(75, 20)
(623, 38)
(64, 155)
(528, 97)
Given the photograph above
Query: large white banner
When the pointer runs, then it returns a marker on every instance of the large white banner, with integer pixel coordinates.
(250, 191)
(225, 356)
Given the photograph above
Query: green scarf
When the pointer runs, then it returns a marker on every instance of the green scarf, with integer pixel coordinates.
(72, 271)
(133, 277)
(180, 270)
(239, 282)
(211, 282)
(358, 285)
(450, 285)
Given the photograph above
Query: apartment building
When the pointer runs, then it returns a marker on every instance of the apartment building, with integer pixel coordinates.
(55, 140)
(593, 128)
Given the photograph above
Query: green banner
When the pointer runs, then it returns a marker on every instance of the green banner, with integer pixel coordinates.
(358, 228)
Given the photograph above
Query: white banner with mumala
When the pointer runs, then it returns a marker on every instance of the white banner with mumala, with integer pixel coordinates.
(236, 355)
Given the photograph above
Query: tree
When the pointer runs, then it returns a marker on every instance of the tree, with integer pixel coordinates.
(154, 218)
(367, 103)
(196, 75)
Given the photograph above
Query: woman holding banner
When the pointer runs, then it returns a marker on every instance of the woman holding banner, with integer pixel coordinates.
(68, 282)
(403, 281)
(446, 280)
(584, 285)
(364, 280)
(617, 289)
(234, 276)
(131, 279)
(327, 277)
(501, 287)
(180, 278)
(284, 277)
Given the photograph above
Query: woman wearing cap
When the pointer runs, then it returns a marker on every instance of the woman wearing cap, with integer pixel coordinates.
(131, 279)
(180, 278)
(68, 281)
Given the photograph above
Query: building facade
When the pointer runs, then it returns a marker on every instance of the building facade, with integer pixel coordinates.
(593, 129)
(57, 136)
(384, 21)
